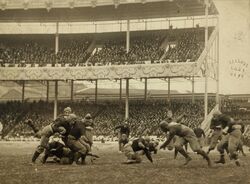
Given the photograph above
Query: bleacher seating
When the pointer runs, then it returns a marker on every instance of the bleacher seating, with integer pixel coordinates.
(144, 116)
(184, 45)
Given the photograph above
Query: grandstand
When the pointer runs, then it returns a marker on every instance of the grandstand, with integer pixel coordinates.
(70, 57)
(85, 57)
(132, 60)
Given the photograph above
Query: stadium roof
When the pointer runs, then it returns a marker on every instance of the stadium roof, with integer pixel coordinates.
(103, 10)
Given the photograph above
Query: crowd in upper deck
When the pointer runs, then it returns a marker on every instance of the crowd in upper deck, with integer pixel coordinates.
(145, 47)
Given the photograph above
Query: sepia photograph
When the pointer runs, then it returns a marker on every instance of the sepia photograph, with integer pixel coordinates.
(124, 91)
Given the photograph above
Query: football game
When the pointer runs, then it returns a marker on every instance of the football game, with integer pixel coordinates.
(125, 91)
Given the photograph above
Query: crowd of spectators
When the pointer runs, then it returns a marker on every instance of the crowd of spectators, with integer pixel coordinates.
(71, 52)
(29, 53)
(142, 49)
(14, 113)
(235, 110)
(144, 116)
(187, 47)
(74, 53)
(147, 47)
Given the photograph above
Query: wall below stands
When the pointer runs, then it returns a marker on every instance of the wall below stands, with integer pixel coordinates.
(99, 72)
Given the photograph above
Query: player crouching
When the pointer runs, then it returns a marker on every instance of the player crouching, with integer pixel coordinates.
(61, 153)
(138, 147)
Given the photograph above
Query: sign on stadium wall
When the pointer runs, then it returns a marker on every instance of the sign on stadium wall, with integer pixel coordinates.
(99, 72)
(238, 68)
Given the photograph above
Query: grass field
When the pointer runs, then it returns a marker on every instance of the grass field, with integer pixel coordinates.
(15, 167)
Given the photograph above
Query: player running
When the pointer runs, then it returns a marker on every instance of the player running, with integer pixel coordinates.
(217, 122)
(185, 135)
(231, 141)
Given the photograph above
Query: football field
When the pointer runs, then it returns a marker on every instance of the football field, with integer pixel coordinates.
(15, 167)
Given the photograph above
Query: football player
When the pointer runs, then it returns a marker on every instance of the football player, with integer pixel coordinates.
(185, 135)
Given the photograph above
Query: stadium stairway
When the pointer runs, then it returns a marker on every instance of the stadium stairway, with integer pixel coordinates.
(164, 46)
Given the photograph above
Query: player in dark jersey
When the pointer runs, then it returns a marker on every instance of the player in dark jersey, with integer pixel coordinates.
(138, 147)
(74, 141)
(217, 122)
(185, 135)
(153, 146)
(61, 125)
(231, 141)
(56, 148)
(123, 129)
(88, 121)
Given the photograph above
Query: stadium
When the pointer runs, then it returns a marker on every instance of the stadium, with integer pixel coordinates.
(97, 66)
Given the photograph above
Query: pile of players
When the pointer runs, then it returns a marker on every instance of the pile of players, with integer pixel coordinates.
(77, 135)
(76, 138)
